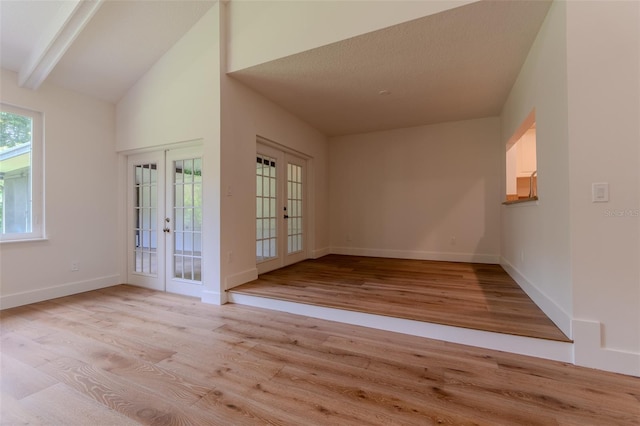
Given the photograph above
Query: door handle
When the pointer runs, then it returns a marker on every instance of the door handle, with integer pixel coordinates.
(166, 230)
(286, 216)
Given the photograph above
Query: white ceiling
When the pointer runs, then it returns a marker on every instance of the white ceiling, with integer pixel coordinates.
(454, 65)
(21, 24)
(107, 55)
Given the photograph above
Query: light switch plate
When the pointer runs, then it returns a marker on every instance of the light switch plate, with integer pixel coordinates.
(600, 192)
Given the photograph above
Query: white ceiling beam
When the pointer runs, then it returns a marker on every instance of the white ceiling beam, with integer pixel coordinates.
(55, 40)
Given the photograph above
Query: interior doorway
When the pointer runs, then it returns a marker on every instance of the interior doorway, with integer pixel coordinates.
(281, 205)
(164, 226)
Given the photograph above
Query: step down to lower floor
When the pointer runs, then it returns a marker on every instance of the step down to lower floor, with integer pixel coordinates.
(540, 348)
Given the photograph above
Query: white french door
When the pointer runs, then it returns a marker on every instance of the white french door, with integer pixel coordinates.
(165, 220)
(280, 208)
(146, 242)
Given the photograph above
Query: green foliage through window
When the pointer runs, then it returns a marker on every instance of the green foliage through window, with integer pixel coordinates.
(16, 133)
(15, 130)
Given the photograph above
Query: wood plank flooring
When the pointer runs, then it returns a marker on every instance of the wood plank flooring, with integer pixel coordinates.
(477, 296)
(126, 356)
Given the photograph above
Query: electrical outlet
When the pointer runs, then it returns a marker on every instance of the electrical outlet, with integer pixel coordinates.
(600, 192)
(75, 266)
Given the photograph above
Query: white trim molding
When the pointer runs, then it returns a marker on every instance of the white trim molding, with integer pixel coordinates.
(541, 348)
(234, 280)
(318, 253)
(213, 297)
(559, 317)
(418, 255)
(34, 296)
(240, 278)
(590, 352)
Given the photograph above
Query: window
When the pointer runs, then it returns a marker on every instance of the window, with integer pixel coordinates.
(266, 211)
(522, 166)
(20, 174)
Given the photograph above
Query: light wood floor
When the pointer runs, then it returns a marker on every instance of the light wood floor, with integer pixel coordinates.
(470, 295)
(126, 355)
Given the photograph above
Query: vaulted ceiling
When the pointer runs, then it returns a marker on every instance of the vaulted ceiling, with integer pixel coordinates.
(97, 47)
(454, 65)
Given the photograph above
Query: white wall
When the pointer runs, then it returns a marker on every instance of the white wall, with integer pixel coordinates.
(261, 31)
(246, 115)
(430, 192)
(535, 236)
(80, 199)
(579, 260)
(603, 42)
(178, 100)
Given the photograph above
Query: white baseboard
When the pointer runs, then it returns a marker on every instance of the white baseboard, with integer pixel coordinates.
(240, 278)
(589, 351)
(53, 292)
(559, 317)
(418, 255)
(557, 351)
(213, 297)
(315, 254)
(234, 280)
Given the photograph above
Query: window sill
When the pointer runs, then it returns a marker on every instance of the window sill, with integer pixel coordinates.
(24, 240)
(520, 201)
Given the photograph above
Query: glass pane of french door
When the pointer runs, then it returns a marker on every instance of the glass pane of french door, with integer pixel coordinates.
(294, 208)
(145, 205)
(187, 215)
(295, 244)
(145, 231)
(266, 208)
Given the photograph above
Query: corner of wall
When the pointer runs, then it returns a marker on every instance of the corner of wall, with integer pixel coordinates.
(239, 278)
(559, 317)
(318, 253)
(590, 352)
(214, 297)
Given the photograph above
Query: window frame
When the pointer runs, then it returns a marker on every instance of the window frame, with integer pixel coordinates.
(37, 175)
